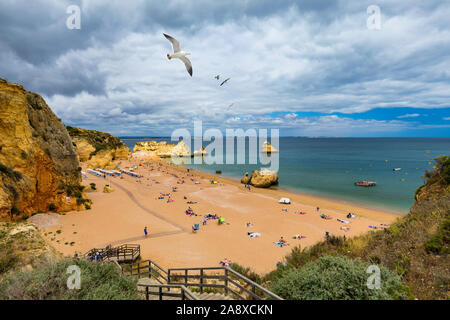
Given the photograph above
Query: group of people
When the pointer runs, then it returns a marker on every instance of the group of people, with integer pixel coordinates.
(96, 257)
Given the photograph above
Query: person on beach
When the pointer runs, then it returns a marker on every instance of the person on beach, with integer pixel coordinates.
(318, 209)
(145, 231)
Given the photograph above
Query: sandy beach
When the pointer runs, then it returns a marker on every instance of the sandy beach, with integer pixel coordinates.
(120, 217)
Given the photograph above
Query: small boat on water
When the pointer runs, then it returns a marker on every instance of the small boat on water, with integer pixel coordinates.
(365, 183)
(396, 169)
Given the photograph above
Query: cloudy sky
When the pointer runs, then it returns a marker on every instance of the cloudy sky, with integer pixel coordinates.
(307, 67)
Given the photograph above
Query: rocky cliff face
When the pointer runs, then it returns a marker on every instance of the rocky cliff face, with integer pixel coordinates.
(37, 158)
(153, 148)
(98, 149)
(162, 149)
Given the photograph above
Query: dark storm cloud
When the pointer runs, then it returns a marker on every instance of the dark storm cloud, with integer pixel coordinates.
(282, 56)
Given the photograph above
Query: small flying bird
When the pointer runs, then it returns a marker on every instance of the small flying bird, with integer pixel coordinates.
(217, 77)
(224, 81)
(230, 106)
(178, 53)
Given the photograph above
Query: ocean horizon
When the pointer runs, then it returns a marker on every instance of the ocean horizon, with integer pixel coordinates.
(328, 167)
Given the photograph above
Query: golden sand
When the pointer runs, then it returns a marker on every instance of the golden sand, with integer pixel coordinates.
(120, 217)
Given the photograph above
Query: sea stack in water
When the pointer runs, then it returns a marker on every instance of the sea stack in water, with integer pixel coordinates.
(181, 150)
(261, 178)
(200, 153)
(267, 148)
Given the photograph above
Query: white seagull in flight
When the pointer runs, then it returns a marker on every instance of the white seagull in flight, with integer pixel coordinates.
(177, 53)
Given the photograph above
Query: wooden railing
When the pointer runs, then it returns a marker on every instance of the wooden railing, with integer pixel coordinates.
(219, 279)
(147, 268)
(184, 294)
(222, 279)
(123, 253)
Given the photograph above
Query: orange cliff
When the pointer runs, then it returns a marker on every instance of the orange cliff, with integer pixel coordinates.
(38, 162)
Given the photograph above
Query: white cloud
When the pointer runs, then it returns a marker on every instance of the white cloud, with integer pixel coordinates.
(292, 60)
(409, 115)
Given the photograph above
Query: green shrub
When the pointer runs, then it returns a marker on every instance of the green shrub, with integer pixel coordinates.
(99, 281)
(336, 278)
(439, 242)
(93, 186)
(52, 207)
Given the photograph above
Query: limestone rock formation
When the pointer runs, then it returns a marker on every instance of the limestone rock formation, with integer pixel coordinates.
(261, 178)
(181, 150)
(200, 153)
(267, 148)
(245, 179)
(153, 148)
(37, 158)
(98, 149)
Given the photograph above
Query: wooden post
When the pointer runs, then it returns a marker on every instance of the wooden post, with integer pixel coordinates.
(182, 294)
(226, 281)
(201, 281)
(139, 270)
(160, 293)
(150, 269)
(147, 296)
(185, 277)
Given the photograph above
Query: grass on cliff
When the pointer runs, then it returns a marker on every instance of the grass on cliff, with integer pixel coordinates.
(21, 245)
(99, 140)
(49, 281)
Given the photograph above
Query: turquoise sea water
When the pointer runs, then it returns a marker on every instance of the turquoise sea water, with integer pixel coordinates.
(329, 167)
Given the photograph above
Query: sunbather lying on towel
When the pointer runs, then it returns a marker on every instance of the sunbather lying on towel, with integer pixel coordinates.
(254, 234)
(225, 263)
(300, 212)
(323, 216)
(281, 244)
(345, 229)
(298, 236)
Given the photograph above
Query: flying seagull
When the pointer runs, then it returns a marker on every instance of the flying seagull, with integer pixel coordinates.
(217, 77)
(224, 81)
(177, 53)
(230, 106)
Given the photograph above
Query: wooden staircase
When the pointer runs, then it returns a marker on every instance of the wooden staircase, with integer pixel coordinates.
(214, 283)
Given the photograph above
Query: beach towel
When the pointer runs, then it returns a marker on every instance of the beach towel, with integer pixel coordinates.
(373, 227)
(343, 221)
(281, 244)
(345, 229)
(254, 234)
(325, 217)
(300, 212)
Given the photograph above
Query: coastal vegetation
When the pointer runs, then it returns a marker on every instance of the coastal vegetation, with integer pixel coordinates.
(22, 247)
(48, 281)
(336, 277)
(415, 247)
